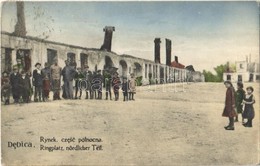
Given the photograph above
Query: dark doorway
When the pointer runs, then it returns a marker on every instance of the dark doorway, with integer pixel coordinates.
(138, 69)
(239, 78)
(6, 59)
(123, 68)
(83, 60)
(51, 56)
(23, 58)
(162, 75)
(228, 77)
(108, 63)
(251, 77)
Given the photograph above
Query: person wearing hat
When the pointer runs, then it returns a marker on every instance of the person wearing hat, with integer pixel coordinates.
(116, 84)
(68, 73)
(14, 82)
(87, 83)
(79, 77)
(37, 82)
(5, 88)
(25, 85)
(55, 76)
(229, 109)
(107, 82)
(249, 112)
(46, 81)
(125, 89)
(132, 89)
(240, 94)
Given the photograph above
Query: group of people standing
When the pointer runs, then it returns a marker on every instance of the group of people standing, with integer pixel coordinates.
(239, 102)
(49, 79)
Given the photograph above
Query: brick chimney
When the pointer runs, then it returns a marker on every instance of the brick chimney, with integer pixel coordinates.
(157, 58)
(176, 59)
(168, 52)
(108, 38)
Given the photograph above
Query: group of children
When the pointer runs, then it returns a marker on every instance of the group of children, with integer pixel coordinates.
(239, 102)
(19, 84)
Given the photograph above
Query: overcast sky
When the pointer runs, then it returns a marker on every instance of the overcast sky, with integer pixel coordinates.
(204, 34)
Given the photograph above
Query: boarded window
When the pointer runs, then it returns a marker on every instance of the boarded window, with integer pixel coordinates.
(51, 56)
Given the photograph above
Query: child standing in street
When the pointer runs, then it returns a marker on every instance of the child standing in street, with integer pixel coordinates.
(249, 112)
(125, 89)
(240, 94)
(25, 85)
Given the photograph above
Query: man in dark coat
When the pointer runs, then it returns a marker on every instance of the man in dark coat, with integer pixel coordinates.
(14, 81)
(68, 74)
(229, 110)
(37, 82)
(25, 85)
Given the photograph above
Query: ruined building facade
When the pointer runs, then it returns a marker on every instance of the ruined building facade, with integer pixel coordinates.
(26, 51)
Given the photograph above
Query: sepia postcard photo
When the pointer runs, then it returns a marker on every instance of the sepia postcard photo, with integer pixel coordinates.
(130, 83)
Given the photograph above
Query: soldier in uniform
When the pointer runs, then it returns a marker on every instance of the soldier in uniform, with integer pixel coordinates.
(55, 76)
(87, 83)
(38, 82)
(99, 83)
(125, 88)
(116, 84)
(107, 83)
(46, 81)
(79, 77)
(14, 81)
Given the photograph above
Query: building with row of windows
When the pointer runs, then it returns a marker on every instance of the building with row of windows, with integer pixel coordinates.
(27, 51)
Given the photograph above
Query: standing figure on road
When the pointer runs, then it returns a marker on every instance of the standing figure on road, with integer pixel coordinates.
(249, 112)
(125, 89)
(5, 88)
(87, 83)
(107, 83)
(79, 77)
(25, 85)
(116, 85)
(240, 94)
(68, 73)
(14, 81)
(37, 82)
(99, 82)
(46, 81)
(132, 89)
(55, 75)
(229, 110)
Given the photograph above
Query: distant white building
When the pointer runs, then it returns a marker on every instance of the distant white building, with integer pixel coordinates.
(245, 72)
